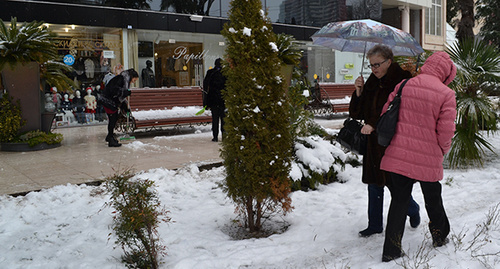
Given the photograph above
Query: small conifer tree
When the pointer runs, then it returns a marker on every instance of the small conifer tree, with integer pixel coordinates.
(257, 145)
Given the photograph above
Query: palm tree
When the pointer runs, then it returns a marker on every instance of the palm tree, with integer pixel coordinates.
(30, 42)
(478, 68)
(33, 42)
(466, 23)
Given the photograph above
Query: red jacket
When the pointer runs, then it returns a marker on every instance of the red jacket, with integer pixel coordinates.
(426, 122)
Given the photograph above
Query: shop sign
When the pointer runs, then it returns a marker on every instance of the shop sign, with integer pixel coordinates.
(344, 71)
(69, 59)
(108, 54)
(349, 65)
(88, 44)
(181, 52)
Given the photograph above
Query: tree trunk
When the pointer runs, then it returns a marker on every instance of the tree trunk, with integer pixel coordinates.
(466, 23)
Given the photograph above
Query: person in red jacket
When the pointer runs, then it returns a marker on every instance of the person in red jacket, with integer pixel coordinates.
(426, 125)
(114, 98)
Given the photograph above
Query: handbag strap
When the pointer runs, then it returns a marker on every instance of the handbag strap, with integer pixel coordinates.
(401, 87)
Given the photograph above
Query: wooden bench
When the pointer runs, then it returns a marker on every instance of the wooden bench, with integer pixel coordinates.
(337, 91)
(161, 99)
(322, 103)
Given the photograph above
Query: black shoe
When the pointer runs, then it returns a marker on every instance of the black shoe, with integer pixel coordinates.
(388, 258)
(369, 232)
(415, 221)
(114, 143)
(215, 139)
(109, 138)
(440, 242)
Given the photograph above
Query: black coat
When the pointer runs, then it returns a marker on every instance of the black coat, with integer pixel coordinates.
(116, 91)
(213, 84)
(368, 107)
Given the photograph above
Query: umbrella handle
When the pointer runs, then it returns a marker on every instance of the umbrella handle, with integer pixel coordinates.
(363, 61)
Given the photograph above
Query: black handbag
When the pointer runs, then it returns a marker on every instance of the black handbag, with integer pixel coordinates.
(386, 125)
(351, 138)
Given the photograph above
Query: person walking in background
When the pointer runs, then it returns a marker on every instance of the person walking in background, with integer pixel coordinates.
(423, 136)
(114, 98)
(213, 84)
(366, 104)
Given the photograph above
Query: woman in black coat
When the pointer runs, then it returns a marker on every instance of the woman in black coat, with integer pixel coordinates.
(114, 98)
(366, 104)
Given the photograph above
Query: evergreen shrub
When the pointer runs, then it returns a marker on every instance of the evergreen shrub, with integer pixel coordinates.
(37, 137)
(137, 216)
(257, 146)
(10, 118)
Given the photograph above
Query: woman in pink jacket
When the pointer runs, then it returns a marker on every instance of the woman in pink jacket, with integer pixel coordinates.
(423, 136)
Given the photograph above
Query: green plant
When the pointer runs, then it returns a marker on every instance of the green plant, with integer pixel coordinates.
(257, 147)
(30, 42)
(53, 73)
(288, 51)
(478, 68)
(10, 118)
(137, 216)
(448, 181)
(315, 172)
(33, 42)
(37, 137)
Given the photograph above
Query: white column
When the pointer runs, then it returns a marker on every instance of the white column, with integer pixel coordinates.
(125, 48)
(405, 17)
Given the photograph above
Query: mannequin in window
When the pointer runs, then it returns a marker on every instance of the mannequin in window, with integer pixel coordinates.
(49, 103)
(66, 104)
(90, 105)
(56, 98)
(100, 114)
(66, 107)
(148, 76)
(79, 107)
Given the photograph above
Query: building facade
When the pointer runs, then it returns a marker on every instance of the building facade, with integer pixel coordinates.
(95, 38)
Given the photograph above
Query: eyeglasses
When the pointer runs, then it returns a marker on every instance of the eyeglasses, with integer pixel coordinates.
(376, 65)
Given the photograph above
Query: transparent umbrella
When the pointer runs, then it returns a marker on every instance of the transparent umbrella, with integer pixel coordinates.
(361, 35)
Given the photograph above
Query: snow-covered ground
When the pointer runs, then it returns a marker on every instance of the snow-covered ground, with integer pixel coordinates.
(68, 226)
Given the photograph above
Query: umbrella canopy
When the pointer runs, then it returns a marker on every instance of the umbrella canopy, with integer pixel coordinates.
(361, 35)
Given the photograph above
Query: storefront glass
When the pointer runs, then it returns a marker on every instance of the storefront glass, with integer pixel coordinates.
(178, 59)
(92, 52)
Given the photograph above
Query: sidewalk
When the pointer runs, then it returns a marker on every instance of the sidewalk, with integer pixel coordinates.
(84, 157)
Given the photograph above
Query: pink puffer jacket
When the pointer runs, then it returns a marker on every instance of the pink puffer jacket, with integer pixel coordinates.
(426, 122)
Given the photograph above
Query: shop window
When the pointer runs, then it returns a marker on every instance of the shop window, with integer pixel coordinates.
(92, 52)
(178, 64)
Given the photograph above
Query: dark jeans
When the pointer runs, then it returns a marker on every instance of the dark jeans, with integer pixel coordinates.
(217, 113)
(376, 207)
(401, 195)
(112, 119)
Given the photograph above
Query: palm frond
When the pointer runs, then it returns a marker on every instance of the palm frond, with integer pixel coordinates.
(26, 43)
(478, 69)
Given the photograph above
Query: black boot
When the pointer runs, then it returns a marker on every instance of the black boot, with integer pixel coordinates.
(109, 138)
(114, 143)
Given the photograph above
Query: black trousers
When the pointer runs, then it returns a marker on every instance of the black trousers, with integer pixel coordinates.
(112, 120)
(401, 192)
(217, 114)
